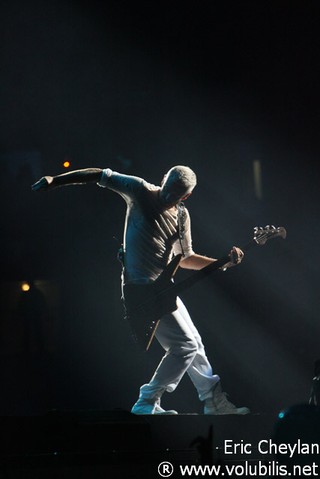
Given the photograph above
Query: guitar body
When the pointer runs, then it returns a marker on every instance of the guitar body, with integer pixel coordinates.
(145, 304)
(144, 307)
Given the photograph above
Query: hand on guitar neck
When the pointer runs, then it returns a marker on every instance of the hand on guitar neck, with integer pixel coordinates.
(236, 256)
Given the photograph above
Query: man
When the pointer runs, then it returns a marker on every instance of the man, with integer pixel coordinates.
(157, 227)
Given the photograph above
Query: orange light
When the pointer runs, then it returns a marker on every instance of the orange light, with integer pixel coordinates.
(25, 287)
(66, 164)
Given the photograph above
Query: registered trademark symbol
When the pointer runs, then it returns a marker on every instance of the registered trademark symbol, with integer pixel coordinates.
(165, 469)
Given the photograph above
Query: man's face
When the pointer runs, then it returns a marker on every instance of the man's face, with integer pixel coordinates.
(172, 192)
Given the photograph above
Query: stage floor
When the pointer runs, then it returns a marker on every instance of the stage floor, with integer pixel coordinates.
(95, 443)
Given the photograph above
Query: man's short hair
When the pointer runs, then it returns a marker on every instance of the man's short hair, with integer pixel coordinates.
(182, 176)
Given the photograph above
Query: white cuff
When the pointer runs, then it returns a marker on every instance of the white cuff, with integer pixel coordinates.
(106, 173)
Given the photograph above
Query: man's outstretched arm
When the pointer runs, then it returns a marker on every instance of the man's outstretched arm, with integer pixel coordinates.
(76, 177)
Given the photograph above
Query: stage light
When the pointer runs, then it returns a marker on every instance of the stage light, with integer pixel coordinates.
(25, 286)
(257, 178)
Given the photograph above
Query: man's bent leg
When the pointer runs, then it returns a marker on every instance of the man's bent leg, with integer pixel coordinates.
(200, 369)
(208, 385)
(177, 339)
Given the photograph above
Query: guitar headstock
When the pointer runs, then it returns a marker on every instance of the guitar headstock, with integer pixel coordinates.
(262, 235)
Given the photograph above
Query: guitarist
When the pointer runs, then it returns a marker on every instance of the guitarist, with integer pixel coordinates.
(157, 227)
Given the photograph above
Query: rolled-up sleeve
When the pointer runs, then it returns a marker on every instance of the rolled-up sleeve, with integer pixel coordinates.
(106, 173)
(126, 185)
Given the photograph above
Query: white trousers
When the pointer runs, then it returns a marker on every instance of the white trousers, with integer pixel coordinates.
(184, 353)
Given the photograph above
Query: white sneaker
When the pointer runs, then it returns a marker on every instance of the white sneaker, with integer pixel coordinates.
(159, 410)
(142, 406)
(219, 404)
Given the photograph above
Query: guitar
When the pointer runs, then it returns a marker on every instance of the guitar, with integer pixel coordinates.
(146, 304)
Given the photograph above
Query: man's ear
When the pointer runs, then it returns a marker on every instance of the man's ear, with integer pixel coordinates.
(186, 196)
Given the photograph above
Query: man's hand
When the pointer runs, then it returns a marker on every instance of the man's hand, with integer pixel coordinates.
(43, 184)
(236, 256)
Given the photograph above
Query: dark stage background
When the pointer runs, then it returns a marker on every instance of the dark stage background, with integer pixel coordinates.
(218, 86)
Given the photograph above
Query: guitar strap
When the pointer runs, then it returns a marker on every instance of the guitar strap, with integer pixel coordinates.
(120, 257)
(181, 224)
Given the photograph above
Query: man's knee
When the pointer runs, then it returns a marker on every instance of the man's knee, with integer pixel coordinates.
(186, 349)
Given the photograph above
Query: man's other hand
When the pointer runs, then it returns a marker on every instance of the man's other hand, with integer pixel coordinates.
(43, 184)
